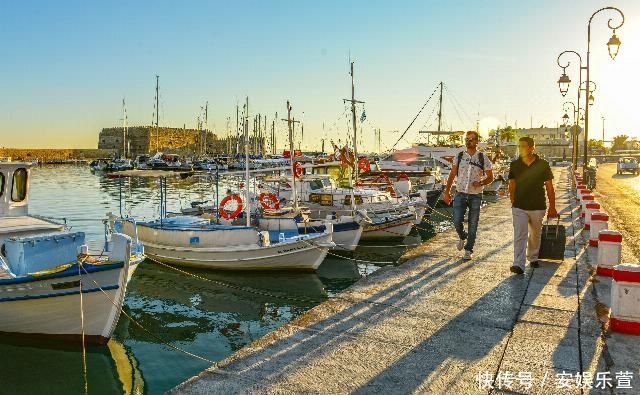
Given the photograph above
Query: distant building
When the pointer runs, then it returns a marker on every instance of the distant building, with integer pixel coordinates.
(551, 142)
(141, 140)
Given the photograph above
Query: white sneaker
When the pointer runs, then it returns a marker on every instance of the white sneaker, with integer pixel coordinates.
(460, 245)
(467, 255)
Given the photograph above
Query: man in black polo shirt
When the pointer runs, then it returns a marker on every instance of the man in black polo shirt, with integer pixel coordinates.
(529, 176)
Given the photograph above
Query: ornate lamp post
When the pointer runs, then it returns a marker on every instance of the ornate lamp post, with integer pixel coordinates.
(563, 84)
(574, 135)
(613, 46)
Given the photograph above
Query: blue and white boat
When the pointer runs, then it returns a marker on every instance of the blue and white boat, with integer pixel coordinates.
(50, 284)
(199, 242)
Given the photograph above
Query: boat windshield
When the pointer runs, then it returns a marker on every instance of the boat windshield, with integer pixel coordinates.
(19, 188)
(326, 182)
(315, 185)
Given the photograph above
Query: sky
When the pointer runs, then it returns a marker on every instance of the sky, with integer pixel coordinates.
(66, 66)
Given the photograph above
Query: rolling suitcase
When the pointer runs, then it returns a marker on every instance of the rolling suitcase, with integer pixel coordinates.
(554, 240)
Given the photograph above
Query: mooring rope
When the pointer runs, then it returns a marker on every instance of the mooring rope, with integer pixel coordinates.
(156, 337)
(84, 347)
(246, 289)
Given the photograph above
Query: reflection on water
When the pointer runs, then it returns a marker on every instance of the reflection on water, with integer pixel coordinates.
(210, 317)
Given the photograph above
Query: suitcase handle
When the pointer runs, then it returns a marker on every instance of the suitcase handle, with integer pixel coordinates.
(557, 226)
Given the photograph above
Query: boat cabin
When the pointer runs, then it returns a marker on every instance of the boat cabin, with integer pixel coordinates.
(14, 204)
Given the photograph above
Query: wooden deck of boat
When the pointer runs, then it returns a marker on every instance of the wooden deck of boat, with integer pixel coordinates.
(25, 223)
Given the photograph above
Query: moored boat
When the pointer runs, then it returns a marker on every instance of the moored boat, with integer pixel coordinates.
(48, 278)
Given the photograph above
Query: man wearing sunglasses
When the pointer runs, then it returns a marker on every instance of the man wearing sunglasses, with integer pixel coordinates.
(529, 177)
(472, 170)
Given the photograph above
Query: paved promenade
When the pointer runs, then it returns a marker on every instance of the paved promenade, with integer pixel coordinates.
(436, 324)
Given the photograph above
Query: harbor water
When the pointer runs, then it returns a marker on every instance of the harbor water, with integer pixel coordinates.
(212, 315)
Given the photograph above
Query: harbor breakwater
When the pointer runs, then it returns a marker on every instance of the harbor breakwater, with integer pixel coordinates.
(45, 155)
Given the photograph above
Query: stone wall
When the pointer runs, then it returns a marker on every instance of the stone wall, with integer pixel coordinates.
(189, 142)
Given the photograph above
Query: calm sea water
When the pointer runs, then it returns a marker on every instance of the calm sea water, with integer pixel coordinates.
(206, 319)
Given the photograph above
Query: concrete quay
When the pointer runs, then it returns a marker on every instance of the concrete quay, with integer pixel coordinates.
(438, 324)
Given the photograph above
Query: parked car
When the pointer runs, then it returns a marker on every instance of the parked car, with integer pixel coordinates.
(628, 164)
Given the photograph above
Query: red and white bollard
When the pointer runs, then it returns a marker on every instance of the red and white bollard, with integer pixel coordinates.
(609, 252)
(599, 222)
(584, 200)
(590, 208)
(625, 299)
(583, 190)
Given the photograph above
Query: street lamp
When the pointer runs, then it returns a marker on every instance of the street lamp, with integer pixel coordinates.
(563, 82)
(613, 46)
(591, 100)
(565, 119)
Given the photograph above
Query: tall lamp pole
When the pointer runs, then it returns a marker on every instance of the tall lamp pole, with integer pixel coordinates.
(563, 84)
(613, 46)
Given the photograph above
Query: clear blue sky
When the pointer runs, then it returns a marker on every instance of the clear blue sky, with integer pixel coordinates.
(67, 65)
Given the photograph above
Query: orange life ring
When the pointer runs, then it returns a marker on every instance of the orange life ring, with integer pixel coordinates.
(224, 213)
(364, 164)
(297, 169)
(403, 176)
(273, 204)
(381, 177)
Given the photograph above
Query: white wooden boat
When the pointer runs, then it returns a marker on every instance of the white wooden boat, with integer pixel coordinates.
(196, 242)
(347, 230)
(46, 271)
(323, 198)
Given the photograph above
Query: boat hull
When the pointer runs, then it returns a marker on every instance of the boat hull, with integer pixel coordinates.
(394, 229)
(50, 306)
(304, 255)
(346, 236)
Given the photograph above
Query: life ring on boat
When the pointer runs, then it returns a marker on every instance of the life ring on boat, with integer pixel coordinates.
(297, 169)
(382, 177)
(364, 164)
(273, 201)
(403, 177)
(230, 215)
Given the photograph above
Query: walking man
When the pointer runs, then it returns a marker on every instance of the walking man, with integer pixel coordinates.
(529, 176)
(472, 170)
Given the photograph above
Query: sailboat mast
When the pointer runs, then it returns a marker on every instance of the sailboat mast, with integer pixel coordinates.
(246, 163)
(157, 112)
(440, 110)
(124, 129)
(294, 190)
(353, 120)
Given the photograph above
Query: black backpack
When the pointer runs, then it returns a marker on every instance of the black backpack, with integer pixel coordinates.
(480, 165)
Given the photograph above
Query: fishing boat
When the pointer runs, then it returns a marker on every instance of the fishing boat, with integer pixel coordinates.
(50, 284)
(384, 217)
(199, 242)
